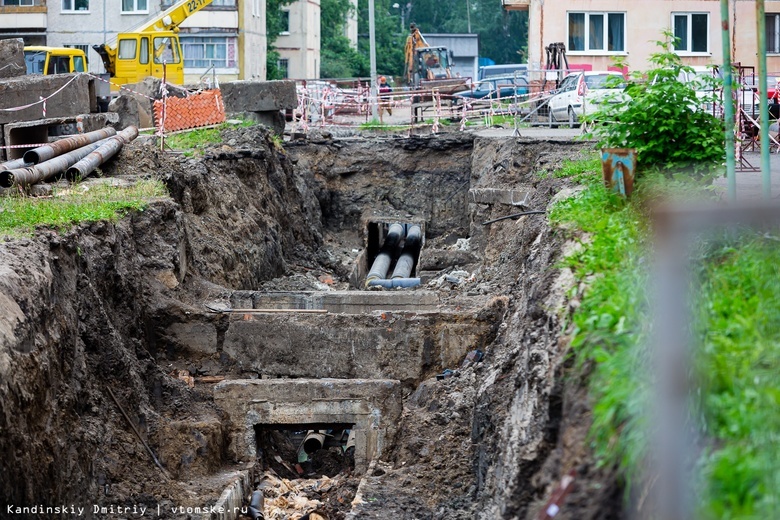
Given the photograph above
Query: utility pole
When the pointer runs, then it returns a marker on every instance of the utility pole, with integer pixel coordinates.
(728, 103)
(372, 54)
(766, 176)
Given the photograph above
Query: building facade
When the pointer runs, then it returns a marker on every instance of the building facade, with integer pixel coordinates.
(226, 39)
(299, 44)
(597, 31)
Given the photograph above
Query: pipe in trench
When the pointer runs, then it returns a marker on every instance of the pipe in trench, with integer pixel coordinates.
(405, 263)
(315, 440)
(104, 152)
(382, 262)
(48, 151)
(14, 164)
(257, 505)
(395, 282)
(46, 169)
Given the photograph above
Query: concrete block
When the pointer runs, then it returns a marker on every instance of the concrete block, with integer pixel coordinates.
(373, 406)
(23, 90)
(12, 58)
(259, 96)
(39, 130)
(499, 196)
(344, 302)
(273, 119)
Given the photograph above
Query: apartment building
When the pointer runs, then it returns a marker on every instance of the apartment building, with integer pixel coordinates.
(226, 39)
(299, 42)
(597, 31)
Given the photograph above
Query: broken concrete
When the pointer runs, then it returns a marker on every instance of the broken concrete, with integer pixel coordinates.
(12, 58)
(259, 96)
(338, 302)
(372, 406)
(499, 196)
(72, 99)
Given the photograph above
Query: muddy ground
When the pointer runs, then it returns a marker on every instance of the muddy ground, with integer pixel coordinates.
(84, 315)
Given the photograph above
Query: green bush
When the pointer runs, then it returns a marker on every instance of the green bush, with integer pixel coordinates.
(662, 119)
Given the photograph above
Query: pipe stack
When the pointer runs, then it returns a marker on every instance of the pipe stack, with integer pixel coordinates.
(76, 152)
(405, 262)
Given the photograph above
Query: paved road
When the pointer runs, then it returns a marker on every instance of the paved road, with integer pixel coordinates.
(749, 184)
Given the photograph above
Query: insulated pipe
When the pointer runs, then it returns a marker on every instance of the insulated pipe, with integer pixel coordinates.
(104, 152)
(382, 262)
(315, 440)
(46, 152)
(13, 165)
(350, 441)
(405, 263)
(395, 282)
(257, 506)
(46, 169)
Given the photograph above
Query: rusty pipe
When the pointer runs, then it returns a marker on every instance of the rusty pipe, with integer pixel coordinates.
(104, 152)
(46, 169)
(12, 165)
(47, 151)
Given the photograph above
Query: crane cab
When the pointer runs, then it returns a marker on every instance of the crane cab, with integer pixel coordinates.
(139, 55)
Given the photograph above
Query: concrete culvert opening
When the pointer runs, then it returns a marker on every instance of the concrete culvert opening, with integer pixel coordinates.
(193, 312)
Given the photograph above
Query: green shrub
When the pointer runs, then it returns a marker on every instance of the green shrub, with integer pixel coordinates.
(663, 118)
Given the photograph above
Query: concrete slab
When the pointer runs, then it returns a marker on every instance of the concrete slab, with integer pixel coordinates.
(12, 58)
(41, 130)
(404, 346)
(499, 196)
(74, 98)
(339, 302)
(373, 406)
(258, 96)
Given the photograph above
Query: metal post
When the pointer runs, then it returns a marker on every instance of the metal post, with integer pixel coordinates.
(766, 175)
(728, 103)
(372, 54)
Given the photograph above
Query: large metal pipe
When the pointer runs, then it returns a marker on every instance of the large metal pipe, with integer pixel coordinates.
(315, 440)
(46, 169)
(395, 282)
(104, 152)
(12, 165)
(257, 505)
(46, 152)
(405, 263)
(381, 264)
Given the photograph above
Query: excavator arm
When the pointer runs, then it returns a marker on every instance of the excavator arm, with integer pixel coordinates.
(172, 18)
(414, 41)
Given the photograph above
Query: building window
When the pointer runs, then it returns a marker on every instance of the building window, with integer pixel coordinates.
(75, 5)
(19, 2)
(202, 52)
(773, 33)
(284, 66)
(284, 23)
(692, 31)
(256, 8)
(219, 3)
(135, 6)
(597, 32)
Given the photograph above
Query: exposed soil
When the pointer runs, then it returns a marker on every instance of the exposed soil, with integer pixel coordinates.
(86, 313)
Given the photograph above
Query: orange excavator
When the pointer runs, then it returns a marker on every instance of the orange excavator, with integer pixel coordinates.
(428, 67)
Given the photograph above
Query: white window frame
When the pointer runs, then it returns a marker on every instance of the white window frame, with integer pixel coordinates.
(689, 43)
(256, 8)
(72, 9)
(231, 40)
(775, 44)
(598, 52)
(135, 9)
(286, 32)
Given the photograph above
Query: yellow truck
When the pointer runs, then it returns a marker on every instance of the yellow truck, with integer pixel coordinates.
(151, 49)
(54, 60)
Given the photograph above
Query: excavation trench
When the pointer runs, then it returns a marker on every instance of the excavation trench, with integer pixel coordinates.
(235, 325)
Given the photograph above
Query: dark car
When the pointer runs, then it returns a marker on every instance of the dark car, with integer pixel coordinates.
(494, 88)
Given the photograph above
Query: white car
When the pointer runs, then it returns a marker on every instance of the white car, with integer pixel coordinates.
(582, 93)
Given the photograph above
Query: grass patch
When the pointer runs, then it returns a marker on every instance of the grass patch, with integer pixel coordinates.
(376, 125)
(736, 359)
(194, 142)
(20, 215)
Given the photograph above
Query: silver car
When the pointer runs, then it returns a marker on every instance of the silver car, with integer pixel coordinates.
(581, 93)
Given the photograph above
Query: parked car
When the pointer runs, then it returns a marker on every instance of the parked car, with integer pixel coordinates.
(495, 88)
(507, 69)
(581, 93)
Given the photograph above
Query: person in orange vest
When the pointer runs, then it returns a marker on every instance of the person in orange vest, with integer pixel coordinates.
(384, 98)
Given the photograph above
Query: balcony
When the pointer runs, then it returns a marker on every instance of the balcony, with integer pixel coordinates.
(516, 5)
(22, 14)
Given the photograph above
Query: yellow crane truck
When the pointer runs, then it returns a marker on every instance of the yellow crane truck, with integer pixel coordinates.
(151, 49)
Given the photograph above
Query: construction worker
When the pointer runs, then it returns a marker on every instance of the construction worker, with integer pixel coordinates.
(384, 98)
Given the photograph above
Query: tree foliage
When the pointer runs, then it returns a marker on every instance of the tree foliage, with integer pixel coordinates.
(338, 58)
(662, 116)
(273, 26)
